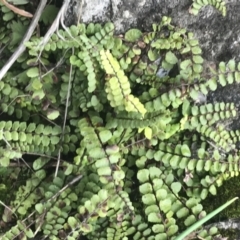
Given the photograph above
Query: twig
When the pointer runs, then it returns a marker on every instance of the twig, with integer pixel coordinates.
(216, 147)
(54, 27)
(8, 208)
(65, 115)
(17, 97)
(21, 48)
(80, 11)
(1, 50)
(76, 179)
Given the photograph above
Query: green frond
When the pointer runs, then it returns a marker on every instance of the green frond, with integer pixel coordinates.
(220, 5)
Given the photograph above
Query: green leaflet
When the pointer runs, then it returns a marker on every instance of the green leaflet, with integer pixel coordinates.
(33, 72)
(52, 114)
(171, 58)
(133, 35)
(185, 151)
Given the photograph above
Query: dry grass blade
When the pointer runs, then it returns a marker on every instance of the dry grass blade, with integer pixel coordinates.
(65, 116)
(17, 10)
(55, 25)
(21, 48)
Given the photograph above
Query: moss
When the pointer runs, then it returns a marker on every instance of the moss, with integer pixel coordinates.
(229, 190)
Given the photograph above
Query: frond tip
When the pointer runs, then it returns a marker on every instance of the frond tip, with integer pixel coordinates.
(118, 87)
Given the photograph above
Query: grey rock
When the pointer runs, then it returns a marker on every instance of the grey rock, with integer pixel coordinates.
(219, 36)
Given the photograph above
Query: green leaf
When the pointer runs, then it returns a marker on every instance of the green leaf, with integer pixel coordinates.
(8, 16)
(165, 205)
(39, 163)
(105, 135)
(213, 230)
(231, 65)
(216, 155)
(31, 127)
(38, 94)
(157, 228)
(69, 169)
(94, 100)
(49, 14)
(197, 209)
(97, 152)
(222, 67)
(171, 58)
(213, 190)
(103, 194)
(152, 55)
(197, 68)
(133, 35)
(197, 59)
(52, 114)
(172, 230)
(2, 187)
(18, 31)
(36, 84)
(4, 161)
(106, 171)
(176, 187)
(86, 228)
(183, 212)
(185, 150)
(149, 199)
(73, 197)
(196, 50)
(185, 64)
(197, 6)
(22, 210)
(118, 175)
(174, 161)
(154, 172)
(73, 223)
(186, 107)
(212, 83)
(193, 42)
(39, 207)
(161, 194)
(54, 140)
(33, 72)
(191, 202)
(190, 220)
(6, 90)
(143, 175)
(145, 188)
(154, 217)
(90, 29)
(148, 133)
(102, 163)
(185, 50)
(112, 149)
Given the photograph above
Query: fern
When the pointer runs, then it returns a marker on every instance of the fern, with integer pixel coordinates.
(141, 149)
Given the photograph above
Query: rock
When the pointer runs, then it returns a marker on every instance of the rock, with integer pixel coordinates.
(219, 36)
